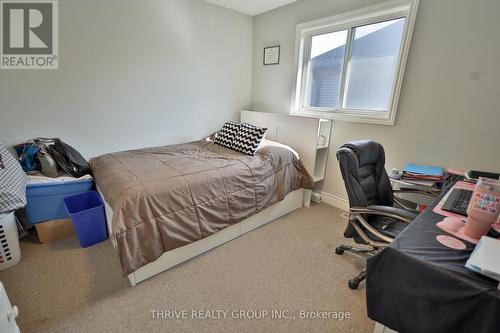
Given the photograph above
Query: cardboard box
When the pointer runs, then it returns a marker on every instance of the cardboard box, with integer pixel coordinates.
(53, 230)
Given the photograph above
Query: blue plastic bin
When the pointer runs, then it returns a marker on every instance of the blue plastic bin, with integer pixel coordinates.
(45, 201)
(87, 214)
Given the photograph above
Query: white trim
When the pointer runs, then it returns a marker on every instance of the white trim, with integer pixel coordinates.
(335, 201)
(344, 80)
(381, 12)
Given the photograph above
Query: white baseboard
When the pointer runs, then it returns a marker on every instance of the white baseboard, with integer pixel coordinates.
(335, 201)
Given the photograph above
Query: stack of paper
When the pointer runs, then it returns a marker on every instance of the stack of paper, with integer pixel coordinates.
(484, 258)
(422, 172)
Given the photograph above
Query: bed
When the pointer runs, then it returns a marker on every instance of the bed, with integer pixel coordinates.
(165, 205)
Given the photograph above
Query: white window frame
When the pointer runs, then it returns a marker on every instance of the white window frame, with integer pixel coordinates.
(348, 21)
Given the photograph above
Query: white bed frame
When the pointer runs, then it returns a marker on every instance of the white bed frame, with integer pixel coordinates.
(300, 133)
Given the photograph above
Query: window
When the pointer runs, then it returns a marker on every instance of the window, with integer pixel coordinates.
(325, 69)
(350, 66)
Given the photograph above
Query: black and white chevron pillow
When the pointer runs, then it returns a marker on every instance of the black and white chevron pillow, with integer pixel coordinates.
(248, 139)
(226, 135)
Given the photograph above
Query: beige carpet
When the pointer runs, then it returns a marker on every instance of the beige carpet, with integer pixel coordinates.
(288, 264)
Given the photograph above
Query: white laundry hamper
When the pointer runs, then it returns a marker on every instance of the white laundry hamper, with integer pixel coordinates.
(10, 253)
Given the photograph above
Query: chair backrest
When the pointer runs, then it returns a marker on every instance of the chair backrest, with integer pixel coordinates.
(362, 164)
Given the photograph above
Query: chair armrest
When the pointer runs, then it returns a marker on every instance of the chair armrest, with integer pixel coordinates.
(392, 212)
(400, 202)
(430, 193)
(357, 217)
(410, 214)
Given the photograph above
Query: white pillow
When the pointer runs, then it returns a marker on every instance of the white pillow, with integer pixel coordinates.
(269, 143)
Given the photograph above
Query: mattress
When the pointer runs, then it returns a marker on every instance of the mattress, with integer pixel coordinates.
(167, 197)
(39, 178)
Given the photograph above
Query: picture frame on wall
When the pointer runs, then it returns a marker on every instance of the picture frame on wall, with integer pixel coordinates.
(272, 55)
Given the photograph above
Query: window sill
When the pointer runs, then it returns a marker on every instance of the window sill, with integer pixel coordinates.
(387, 119)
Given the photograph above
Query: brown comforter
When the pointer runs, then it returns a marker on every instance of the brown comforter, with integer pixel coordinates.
(166, 197)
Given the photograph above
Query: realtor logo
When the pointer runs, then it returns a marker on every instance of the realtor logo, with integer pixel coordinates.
(29, 37)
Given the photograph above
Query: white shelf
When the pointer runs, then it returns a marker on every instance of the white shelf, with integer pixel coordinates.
(320, 165)
(324, 130)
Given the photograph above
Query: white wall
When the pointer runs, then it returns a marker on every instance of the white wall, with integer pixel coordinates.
(133, 74)
(444, 118)
(142, 73)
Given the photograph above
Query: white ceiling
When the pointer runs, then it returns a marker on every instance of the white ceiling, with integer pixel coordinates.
(251, 7)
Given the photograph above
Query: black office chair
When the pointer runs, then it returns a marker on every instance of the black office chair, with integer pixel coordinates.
(373, 219)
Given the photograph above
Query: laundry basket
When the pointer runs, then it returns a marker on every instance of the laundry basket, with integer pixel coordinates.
(10, 253)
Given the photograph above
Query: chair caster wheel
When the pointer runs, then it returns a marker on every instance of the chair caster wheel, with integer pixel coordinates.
(339, 250)
(353, 284)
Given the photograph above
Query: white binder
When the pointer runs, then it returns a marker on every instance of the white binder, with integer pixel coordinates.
(485, 258)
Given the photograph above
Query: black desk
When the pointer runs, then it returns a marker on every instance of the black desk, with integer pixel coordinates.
(418, 285)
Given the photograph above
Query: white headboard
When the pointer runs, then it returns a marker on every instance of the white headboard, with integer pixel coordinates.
(300, 133)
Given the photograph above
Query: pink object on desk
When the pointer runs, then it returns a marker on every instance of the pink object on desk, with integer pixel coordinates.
(451, 242)
(456, 228)
(456, 172)
(484, 207)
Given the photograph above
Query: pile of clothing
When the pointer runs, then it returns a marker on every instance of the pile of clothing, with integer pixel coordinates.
(12, 182)
(51, 157)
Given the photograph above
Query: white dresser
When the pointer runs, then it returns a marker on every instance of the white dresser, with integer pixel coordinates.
(8, 313)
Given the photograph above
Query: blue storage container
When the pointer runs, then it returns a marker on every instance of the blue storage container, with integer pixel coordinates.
(87, 215)
(45, 201)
